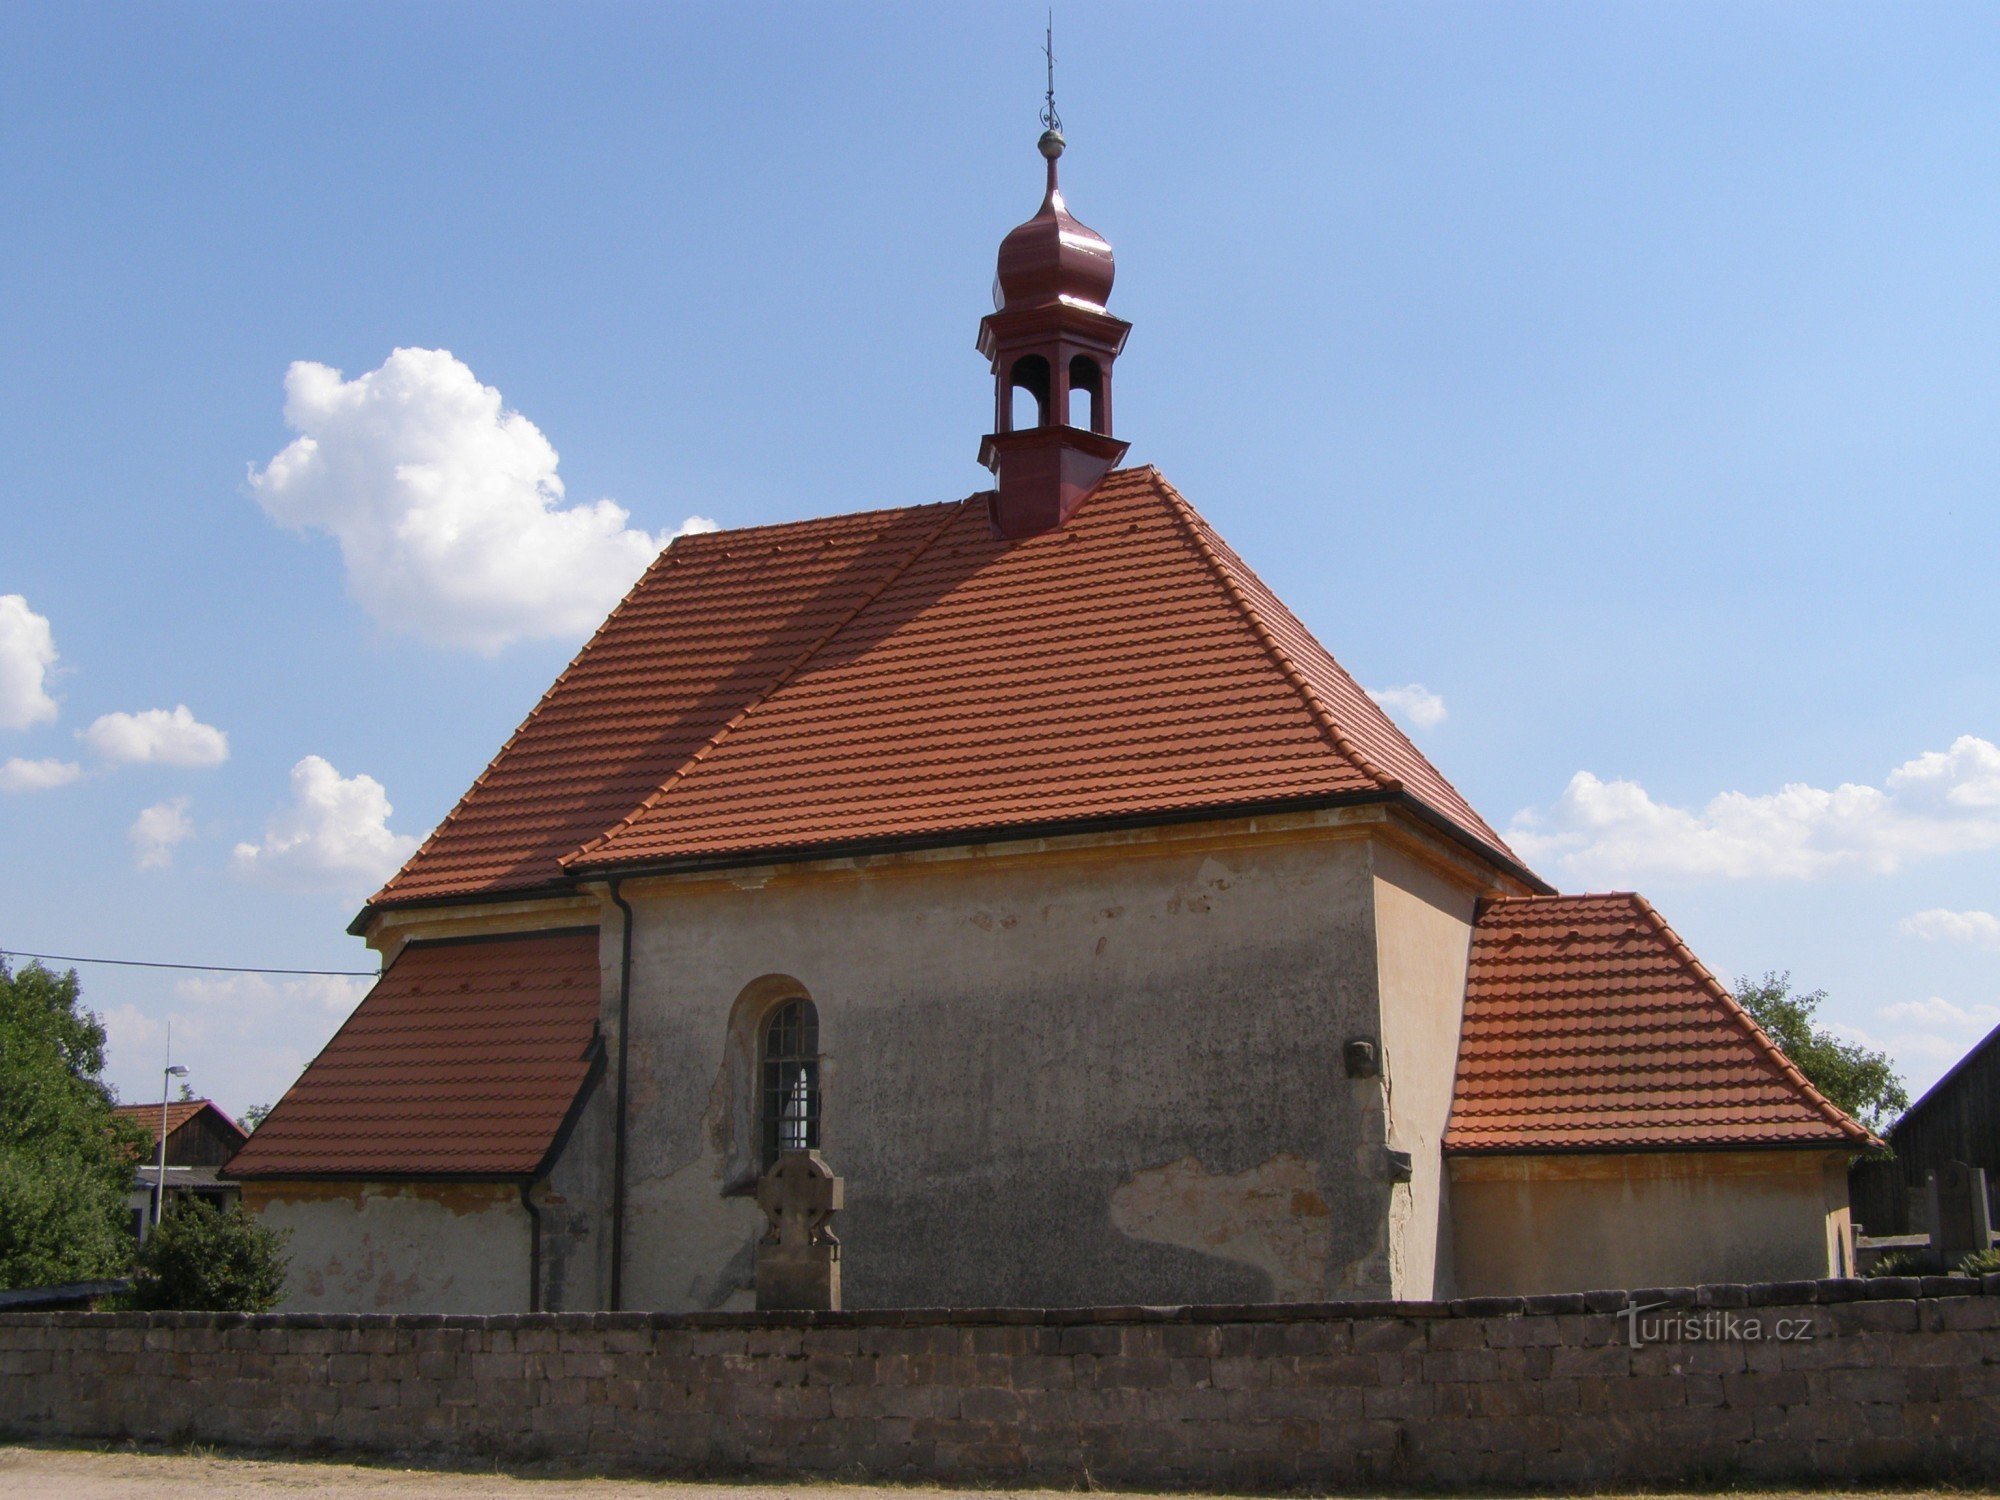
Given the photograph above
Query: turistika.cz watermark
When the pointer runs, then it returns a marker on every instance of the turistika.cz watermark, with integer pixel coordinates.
(1661, 1323)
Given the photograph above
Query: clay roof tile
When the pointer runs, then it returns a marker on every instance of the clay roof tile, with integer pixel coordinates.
(1589, 1025)
(904, 674)
(462, 1061)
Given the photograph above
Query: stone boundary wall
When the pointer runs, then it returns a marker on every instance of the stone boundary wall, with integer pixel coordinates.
(1842, 1380)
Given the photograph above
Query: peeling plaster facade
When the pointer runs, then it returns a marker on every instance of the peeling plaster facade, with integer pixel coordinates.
(1532, 1224)
(399, 1247)
(1101, 1069)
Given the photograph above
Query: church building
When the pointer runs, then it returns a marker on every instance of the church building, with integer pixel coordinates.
(1025, 857)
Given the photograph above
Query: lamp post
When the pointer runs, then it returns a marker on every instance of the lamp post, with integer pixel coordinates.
(173, 1070)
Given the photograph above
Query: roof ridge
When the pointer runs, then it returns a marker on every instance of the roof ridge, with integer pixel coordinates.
(1193, 527)
(532, 714)
(700, 538)
(1733, 1009)
(338, 1032)
(1547, 896)
(951, 509)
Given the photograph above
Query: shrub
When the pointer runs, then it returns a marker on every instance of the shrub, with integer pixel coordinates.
(1898, 1263)
(204, 1259)
(1980, 1263)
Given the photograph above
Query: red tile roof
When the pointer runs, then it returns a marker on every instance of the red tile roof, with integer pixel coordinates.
(463, 1060)
(1589, 1026)
(903, 674)
(179, 1112)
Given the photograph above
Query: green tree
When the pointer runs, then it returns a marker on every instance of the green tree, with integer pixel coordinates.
(65, 1160)
(254, 1116)
(1861, 1081)
(204, 1259)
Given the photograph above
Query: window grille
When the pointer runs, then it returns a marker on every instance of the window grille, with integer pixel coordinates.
(791, 1102)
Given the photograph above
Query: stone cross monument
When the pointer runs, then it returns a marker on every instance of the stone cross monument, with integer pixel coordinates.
(798, 1259)
(1960, 1212)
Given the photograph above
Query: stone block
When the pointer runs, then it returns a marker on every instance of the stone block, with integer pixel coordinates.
(1087, 1339)
(1196, 1340)
(1320, 1370)
(1508, 1400)
(1243, 1373)
(989, 1406)
(1388, 1336)
(1953, 1314)
(1894, 1288)
(1458, 1333)
(1523, 1333)
(1898, 1315)
(1461, 1365)
(1721, 1357)
(1646, 1393)
(1398, 1403)
(1888, 1385)
(1598, 1361)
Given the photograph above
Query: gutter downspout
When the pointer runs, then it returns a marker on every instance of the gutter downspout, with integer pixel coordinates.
(534, 1247)
(618, 1118)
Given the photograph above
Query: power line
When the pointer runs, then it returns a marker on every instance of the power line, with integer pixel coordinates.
(140, 963)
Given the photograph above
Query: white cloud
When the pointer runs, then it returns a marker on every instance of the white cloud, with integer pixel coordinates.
(334, 835)
(447, 506)
(1414, 702)
(1938, 1011)
(27, 652)
(244, 1037)
(1925, 1037)
(244, 999)
(18, 775)
(157, 736)
(156, 830)
(128, 1029)
(1943, 802)
(1978, 927)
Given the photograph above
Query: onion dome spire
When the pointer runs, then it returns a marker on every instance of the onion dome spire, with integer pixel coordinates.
(1053, 257)
(1050, 337)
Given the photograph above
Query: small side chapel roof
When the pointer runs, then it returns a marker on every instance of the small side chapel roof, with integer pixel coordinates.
(463, 1061)
(1589, 1026)
(903, 674)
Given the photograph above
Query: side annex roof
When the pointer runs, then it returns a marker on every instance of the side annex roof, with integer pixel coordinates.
(1589, 1026)
(465, 1060)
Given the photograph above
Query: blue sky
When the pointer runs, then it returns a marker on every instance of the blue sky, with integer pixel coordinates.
(1626, 377)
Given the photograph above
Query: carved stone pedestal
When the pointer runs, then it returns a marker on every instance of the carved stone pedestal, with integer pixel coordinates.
(798, 1259)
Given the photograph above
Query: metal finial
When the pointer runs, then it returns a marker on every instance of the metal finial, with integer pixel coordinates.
(1051, 121)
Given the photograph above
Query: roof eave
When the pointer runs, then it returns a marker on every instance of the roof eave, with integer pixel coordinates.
(1057, 828)
(363, 919)
(288, 1175)
(1653, 1148)
(582, 871)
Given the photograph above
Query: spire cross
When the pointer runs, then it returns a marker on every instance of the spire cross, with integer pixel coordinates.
(1050, 119)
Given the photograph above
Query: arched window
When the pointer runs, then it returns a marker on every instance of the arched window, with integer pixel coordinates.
(1086, 394)
(1029, 377)
(789, 1069)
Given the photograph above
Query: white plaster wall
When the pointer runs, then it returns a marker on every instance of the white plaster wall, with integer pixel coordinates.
(1423, 942)
(1527, 1225)
(394, 1248)
(1096, 1077)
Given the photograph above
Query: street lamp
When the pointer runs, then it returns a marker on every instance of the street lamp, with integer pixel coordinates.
(173, 1070)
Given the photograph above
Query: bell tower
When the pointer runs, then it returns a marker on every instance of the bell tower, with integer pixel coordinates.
(1050, 337)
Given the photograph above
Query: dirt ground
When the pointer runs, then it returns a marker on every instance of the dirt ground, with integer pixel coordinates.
(87, 1474)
